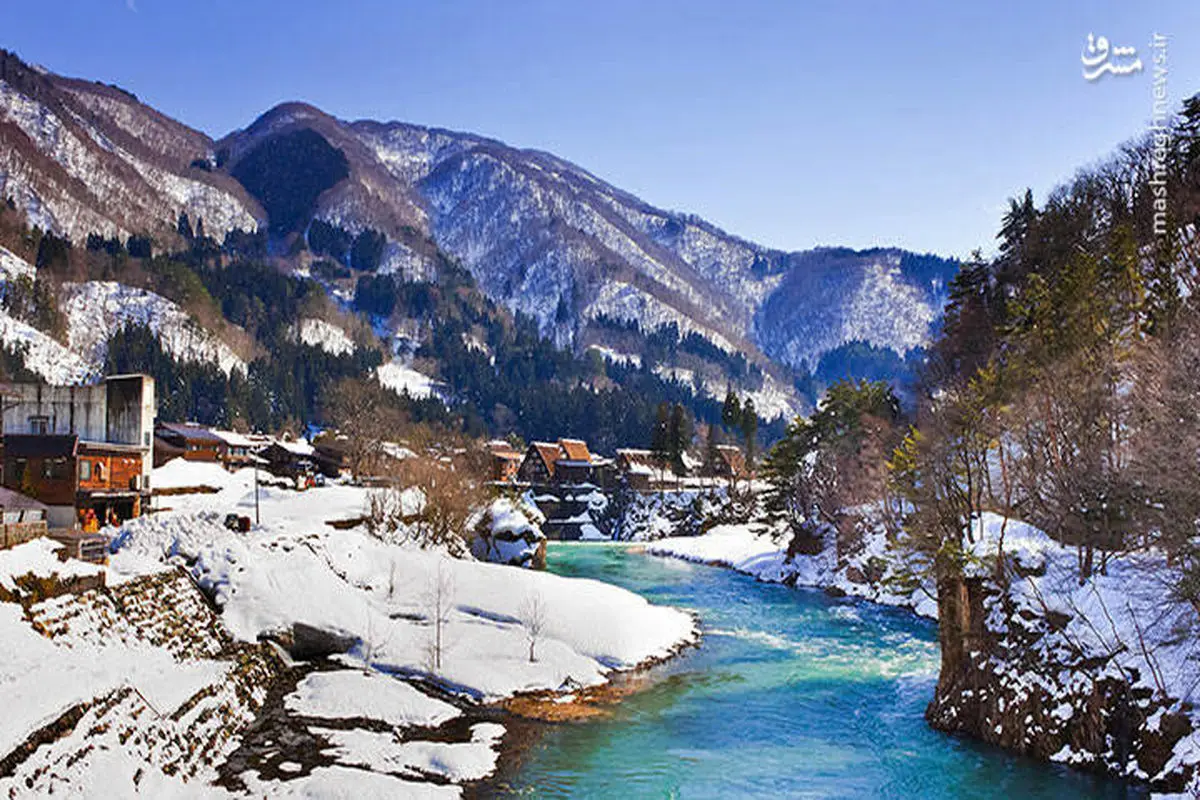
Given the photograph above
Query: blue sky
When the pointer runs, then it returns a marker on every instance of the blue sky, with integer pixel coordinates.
(793, 124)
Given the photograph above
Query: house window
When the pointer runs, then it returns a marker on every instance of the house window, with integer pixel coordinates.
(85, 470)
(98, 471)
(19, 470)
(39, 426)
(54, 468)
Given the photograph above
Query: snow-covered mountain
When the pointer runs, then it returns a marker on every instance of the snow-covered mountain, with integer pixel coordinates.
(549, 239)
(539, 234)
(95, 310)
(81, 157)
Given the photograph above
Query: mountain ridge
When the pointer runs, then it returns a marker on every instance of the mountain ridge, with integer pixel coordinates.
(540, 234)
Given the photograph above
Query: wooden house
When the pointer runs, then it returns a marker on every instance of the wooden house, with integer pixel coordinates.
(24, 518)
(567, 462)
(293, 460)
(538, 464)
(79, 448)
(71, 476)
(235, 450)
(638, 468)
(194, 442)
(505, 461)
(578, 465)
(730, 463)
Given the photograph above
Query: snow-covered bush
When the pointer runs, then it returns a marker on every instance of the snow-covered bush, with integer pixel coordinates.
(508, 532)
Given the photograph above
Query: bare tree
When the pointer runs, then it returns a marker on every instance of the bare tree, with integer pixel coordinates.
(533, 619)
(385, 513)
(450, 491)
(374, 640)
(439, 602)
(367, 415)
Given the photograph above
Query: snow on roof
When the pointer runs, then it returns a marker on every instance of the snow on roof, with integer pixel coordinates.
(298, 447)
(190, 430)
(549, 453)
(233, 438)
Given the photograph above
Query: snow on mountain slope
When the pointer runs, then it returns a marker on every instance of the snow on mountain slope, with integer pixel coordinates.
(13, 267)
(322, 334)
(82, 157)
(43, 355)
(402, 379)
(828, 297)
(97, 309)
(539, 234)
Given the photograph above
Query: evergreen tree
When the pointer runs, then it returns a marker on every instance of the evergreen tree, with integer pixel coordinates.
(660, 440)
(679, 437)
(731, 412)
(184, 226)
(712, 456)
(750, 429)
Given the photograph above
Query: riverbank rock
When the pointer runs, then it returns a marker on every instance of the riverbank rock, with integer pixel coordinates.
(507, 532)
(1014, 676)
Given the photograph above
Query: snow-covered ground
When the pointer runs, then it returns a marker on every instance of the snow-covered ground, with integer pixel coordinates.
(746, 549)
(380, 599)
(402, 379)
(325, 335)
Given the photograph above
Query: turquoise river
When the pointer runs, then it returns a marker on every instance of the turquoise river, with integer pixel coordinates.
(791, 694)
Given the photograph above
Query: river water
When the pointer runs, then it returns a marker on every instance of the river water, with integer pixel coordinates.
(791, 694)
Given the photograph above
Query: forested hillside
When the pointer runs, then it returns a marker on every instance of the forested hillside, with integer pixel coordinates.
(495, 373)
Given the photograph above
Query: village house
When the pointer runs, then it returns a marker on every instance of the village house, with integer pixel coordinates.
(23, 518)
(639, 468)
(194, 442)
(187, 440)
(538, 465)
(566, 462)
(81, 449)
(730, 463)
(236, 450)
(294, 460)
(505, 461)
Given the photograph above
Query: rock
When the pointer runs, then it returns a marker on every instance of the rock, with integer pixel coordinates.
(1079, 711)
(308, 643)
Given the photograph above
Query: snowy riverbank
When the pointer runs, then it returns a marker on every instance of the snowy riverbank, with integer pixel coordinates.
(1100, 674)
(420, 639)
(864, 575)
